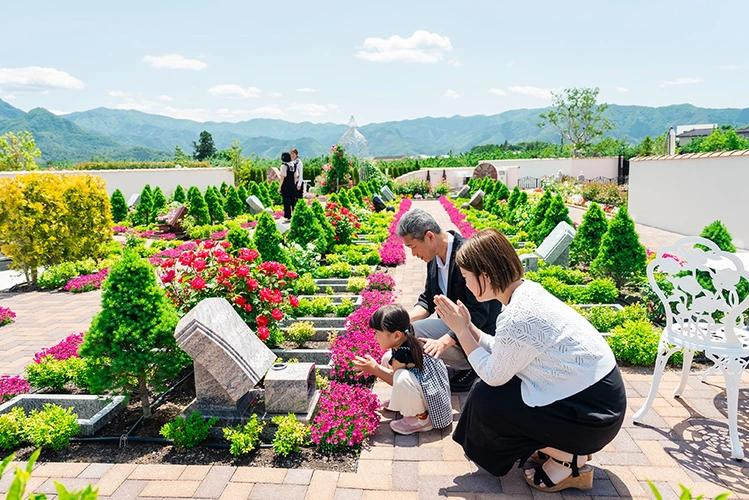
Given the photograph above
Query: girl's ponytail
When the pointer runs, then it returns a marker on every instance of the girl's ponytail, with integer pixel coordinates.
(416, 347)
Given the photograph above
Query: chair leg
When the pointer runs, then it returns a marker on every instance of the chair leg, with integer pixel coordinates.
(710, 371)
(732, 370)
(688, 355)
(664, 352)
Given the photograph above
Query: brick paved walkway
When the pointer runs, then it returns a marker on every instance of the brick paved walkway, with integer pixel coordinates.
(686, 442)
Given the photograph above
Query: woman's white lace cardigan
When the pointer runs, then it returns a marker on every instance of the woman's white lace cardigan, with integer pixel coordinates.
(553, 350)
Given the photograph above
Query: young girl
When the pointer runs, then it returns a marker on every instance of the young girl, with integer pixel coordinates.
(421, 390)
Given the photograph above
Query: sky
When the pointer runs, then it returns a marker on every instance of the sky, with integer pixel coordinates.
(379, 61)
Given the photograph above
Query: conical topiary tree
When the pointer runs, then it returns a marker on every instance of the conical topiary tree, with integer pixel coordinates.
(304, 226)
(718, 234)
(198, 209)
(512, 203)
(343, 198)
(268, 239)
(239, 237)
(119, 206)
(265, 195)
(535, 226)
(327, 230)
(587, 242)
(621, 257)
(144, 209)
(556, 213)
(130, 345)
(522, 199)
(215, 207)
(191, 192)
(501, 191)
(274, 195)
(224, 189)
(232, 204)
(179, 194)
(159, 202)
(242, 195)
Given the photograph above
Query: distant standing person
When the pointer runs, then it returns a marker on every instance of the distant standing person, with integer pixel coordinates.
(289, 175)
(300, 168)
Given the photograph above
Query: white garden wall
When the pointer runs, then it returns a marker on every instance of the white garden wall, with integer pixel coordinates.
(684, 193)
(133, 181)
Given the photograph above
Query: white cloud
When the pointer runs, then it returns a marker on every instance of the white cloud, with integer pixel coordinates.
(681, 81)
(232, 91)
(729, 67)
(537, 92)
(622, 90)
(174, 61)
(334, 107)
(164, 98)
(309, 109)
(58, 112)
(274, 94)
(451, 94)
(9, 97)
(308, 90)
(497, 91)
(454, 62)
(421, 47)
(117, 93)
(37, 78)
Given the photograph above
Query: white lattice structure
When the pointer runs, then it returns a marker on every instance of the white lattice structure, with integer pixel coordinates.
(700, 319)
(354, 142)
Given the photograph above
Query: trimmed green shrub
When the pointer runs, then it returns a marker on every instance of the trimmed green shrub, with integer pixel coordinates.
(55, 374)
(223, 189)
(587, 242)
(300, 332)
(567, 276)
(198, 209)
(290, 436)
(188, 433)
(179, 194)
(52, 427)
(159, 202)
(622, 256)
(345, 308)
(599, 291)
(556, 213)
(512, 202)
(119, 206)
(215, 206)
(268, 240)
(130, 344)
(12, 428)
(340, 270)
(57, 276)
(244, 439)
(233, 205)
(356, 285)
(362, 270)
(242, 195)
(636, 342)
(304, 226)
(718, 234)
(536, 224)
(144, 210)
(501, 191)
(305, 285)
(239, 237)
(605, 319)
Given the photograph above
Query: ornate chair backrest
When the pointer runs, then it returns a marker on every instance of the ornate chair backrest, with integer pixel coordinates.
(699, 293)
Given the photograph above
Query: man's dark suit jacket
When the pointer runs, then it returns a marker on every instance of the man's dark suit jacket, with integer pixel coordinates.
(483, 314)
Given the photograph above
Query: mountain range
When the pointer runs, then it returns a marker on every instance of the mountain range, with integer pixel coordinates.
(134, 135)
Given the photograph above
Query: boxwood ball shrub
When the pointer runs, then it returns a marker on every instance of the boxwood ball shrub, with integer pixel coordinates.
(300, 332)
(245, 438)
(52, 427)
(356, 285)
(12, 428)
(239, 237)
(290, 435)
(636, 342)
(188, 433)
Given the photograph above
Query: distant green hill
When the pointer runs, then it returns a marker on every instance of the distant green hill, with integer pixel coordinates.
(127, 134)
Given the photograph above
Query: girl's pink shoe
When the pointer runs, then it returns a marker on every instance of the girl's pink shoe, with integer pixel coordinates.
(411, 425)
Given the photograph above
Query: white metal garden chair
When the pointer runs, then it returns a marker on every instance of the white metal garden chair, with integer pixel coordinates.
(698, 319)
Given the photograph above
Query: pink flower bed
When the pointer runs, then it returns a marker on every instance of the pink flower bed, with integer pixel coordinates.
(66, 348)
(87, 282)
(12, 386)
(347, 415)
(6, 316)
(465, 228)
(119, 229)
(393, 252)
(380, 281)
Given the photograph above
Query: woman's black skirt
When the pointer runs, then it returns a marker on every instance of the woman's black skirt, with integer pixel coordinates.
(497, 428)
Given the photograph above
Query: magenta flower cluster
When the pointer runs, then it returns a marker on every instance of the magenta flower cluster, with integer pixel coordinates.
(465, 228)
(66, 348)
(87, 282)
(219, 235)
(119, 229)
(346, 416)
(167, 236)
(393, 252)
(12, 386)
(380, 281)
(172, 253)
(6, 316)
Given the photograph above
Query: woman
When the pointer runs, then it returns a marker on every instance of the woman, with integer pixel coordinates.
(550, 386)
(289, 174)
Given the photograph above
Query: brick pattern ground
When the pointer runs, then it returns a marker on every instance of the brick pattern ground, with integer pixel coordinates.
(685, 442)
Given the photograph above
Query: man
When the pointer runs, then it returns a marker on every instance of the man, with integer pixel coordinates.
(427, 241)
(298, 163)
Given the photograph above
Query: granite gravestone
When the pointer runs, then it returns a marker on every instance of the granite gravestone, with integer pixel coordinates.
(559, 177)
(282, 226)
(229, 359)
(256, 206)
(464, 192)
(581, 177)
(290, 387)
(133, 200)
(477, 200)
(273, 174)
(387, 194)
(555, 249)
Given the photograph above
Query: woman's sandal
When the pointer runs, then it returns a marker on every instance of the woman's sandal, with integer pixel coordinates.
(581, 478)
(540, 457)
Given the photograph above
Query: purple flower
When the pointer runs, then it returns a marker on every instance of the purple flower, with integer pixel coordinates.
(465, 228)
(12, 386)
(87, 282)
(380, 281)
(393, 252)
(119, 229)
(66, 348)
(346, 416)
(6, 316)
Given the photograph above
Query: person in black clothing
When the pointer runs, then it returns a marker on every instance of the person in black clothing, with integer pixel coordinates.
(427, 241)
(288, 189)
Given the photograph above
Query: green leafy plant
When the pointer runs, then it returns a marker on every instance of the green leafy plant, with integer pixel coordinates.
(12, 428)
(605, 319)
(215, 206)
(340, 270)
(56, 374)
(239, 237)
(303, 259)
(244, 439)
(354, 257)
(327, 235)
(556, 213)
(159, 202)
(57, 276)
(144, 209)
(686, 493)
(188, 433)
(119, 206)
(718, 234)
(51, 427)
(233, 205)
(198, 209)
(636, 342)
(179, 194)
(268, 240)
(290, 436)
(17, 488)
(345, 308)
(599, 291)
(363, 270)
(321, 306)
(304, 227)
(321, 382)
(621, 257)
(300, 332)
(305, 285)
(356, 285)
(587, 242)
(329, 290)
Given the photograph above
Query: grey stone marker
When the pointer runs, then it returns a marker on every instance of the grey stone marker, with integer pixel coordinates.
(256, 206)
(477, 200)
(133, 200)
(465, 206)
(559, 177)
(290, 387)
(464, 192)
(555, 249)
(273, 174)
(581, 177)
(282, 227)
(229, 359)
(387, 194)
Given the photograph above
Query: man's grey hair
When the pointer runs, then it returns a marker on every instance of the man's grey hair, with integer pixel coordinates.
(416, 223)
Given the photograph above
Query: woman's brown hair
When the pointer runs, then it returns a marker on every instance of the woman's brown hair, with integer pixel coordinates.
(490, 252)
